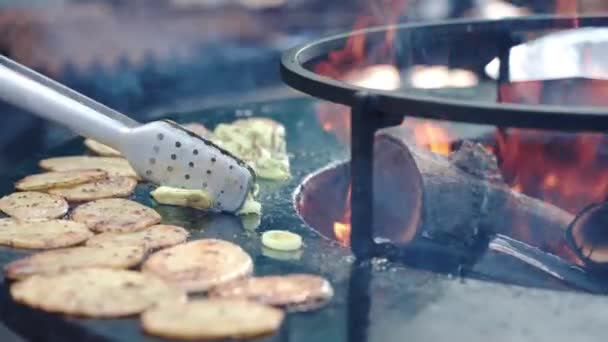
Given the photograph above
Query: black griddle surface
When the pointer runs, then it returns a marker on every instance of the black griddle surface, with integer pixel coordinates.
(376, 301)
(320, 256)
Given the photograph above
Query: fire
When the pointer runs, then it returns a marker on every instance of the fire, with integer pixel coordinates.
(560, 168)
(342, 227)
(355, 65)
(342, 232)
(432, 136)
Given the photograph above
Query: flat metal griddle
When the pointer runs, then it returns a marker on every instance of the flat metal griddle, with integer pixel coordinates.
(377, 301)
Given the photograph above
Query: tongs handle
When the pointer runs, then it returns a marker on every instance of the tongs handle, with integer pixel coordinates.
(31, 91)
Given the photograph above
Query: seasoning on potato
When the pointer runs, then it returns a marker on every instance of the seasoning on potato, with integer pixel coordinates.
(33, 205)
(98, 189)
(42, 234)
(48, 180)
(155, 237)
(66, 259)
(95, 292)
(211, 319)
(295, 292)
(115, 215)
(113, 166)
(199, 265)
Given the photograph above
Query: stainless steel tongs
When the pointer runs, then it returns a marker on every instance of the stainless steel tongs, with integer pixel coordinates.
(161, 152)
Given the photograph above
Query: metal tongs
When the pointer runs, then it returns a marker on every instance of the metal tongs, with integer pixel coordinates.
(161, 152)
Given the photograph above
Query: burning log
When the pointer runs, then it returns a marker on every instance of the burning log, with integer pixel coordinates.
(419, 192)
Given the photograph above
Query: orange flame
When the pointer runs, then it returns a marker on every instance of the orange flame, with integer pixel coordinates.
(342, 228)
(351, 64)
(432, 136)
(562, 169)
(342, 232)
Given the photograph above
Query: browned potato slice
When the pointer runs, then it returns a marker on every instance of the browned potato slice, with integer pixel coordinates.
(61, 260)
(33, 205)
(48, 180)
(99, 189)
(155, 237)
(211, 319)
(113, 166)
(95, 292)
(42, 234)
(297, 292)
(115, 215)
(199, 265)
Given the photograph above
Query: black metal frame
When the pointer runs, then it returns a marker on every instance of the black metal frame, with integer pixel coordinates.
(599, 268)
(375, 109)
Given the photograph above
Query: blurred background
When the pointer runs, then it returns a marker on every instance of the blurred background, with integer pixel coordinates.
(152, 57)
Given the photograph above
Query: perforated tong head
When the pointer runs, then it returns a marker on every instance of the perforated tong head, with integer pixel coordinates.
(161, 152)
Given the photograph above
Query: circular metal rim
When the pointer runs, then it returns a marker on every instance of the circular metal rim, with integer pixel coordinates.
(577, 118)
(570, 240)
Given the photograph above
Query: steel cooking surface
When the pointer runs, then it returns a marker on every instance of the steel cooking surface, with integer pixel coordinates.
(374, 301)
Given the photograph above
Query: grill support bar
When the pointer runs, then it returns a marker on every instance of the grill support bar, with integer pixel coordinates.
(365, 121)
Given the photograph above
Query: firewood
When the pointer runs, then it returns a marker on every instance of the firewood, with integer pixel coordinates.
(419, 192)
